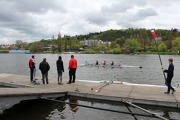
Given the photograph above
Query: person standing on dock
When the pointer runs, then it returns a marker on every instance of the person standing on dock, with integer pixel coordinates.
(72, 69)
(44, 67)
(32, 68)
(170, 74)
(60, 69)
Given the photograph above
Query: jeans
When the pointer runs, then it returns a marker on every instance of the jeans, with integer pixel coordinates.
(45, 75)
(72, 74)
(31, 74)
(168, 83)
(60, 76)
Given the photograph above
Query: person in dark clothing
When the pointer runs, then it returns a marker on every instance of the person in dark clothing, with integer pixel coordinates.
(60, 69)
(72, 69)
(97, 63)
(32, 68)
(170, 74)
(112, 63)
(44, 67)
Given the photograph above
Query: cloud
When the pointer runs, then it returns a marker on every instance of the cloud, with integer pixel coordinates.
(32, 20)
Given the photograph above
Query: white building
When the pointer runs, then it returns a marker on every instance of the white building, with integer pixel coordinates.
(93, 43)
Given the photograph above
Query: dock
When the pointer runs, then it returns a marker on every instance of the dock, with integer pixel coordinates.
(18, 87)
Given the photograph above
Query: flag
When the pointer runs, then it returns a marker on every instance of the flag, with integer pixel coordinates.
(155, 36)
(153, 33)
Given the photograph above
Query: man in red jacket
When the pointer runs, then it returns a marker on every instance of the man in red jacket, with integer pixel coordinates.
(72, 69)
(32, 68)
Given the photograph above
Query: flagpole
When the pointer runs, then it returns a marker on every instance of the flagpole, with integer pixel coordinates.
(160, 60)
(162, 67)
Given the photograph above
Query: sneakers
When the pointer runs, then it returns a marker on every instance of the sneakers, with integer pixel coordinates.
(68, 83)
(173, 91)
(169, 92)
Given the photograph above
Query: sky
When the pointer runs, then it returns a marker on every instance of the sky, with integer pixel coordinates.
(33, 20)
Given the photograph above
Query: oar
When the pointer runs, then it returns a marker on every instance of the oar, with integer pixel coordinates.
(99, 89)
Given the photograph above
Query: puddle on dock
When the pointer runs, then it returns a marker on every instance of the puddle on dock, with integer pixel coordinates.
(50, 110)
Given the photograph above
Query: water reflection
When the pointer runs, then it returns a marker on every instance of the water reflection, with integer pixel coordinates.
(73, 105)
(31, 110)
(166, 114)
(49, 110)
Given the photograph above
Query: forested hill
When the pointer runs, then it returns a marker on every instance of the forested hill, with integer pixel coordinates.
(111, 35)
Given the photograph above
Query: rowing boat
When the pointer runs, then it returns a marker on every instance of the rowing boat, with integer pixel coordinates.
(110, 66)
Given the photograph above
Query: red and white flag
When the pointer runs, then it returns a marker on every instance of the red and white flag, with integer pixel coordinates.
(155, 36)
(153, 33)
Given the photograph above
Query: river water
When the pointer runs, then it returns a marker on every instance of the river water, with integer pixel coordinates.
(150, 73)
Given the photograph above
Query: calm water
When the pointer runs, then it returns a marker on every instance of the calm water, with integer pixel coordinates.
(150, 73)
(45, 110)
(48, 110)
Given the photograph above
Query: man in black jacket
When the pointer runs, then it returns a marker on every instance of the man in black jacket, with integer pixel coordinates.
(170, 74)
(60, 69)
(44, 67)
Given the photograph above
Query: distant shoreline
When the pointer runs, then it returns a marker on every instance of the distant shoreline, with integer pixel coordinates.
(137, 53)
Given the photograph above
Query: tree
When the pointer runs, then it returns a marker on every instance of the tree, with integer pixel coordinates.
(114, 45)
(36, 47)
(18, 43)
(74, 43)
(120, 41)
(162, 47)
(117, 50)
(59, 41)
(101, 47)
(53, 48)
(176, 44)
(132, 45)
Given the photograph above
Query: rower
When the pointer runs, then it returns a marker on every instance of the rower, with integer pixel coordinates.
(104, 63)
(97, 63)
(112, 63)
(86, 63)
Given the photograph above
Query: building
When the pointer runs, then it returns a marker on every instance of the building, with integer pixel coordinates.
(93, 43)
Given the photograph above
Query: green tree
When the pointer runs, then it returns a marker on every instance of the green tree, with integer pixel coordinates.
(74, 43)
(120, 41)
(101, 47)
(53, 48)
(59, 42)
(117, 50)
(162, 47)
(176, 44)
(132, 45)
(19, 43)
(114, 45)
(36, 47)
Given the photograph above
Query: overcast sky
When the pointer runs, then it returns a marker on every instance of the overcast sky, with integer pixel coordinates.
(32, 20)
